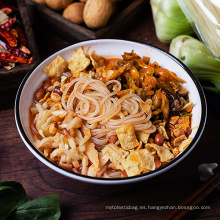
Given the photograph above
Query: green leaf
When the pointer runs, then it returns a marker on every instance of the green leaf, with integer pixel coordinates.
(46, 207)
(20, 191)
(7, 201)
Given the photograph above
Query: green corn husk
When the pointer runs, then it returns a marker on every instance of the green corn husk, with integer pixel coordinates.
(169, 20)
(204, 16)
(198, 59)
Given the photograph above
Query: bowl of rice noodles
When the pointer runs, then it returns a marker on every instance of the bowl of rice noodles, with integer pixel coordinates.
(110, 111)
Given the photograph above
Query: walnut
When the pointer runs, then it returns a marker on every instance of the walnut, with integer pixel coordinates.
(97, 13)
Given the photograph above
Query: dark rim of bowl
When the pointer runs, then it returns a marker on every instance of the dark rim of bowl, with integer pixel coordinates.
(125, 179)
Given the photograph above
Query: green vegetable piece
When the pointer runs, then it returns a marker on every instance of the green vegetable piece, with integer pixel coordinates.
(46, 207)
(167, 29)
(172, 10)
(7, 201)
(198, 59)
(169, 20)
(14, 204)
(182, 101)
(20, 192)
(12, 198)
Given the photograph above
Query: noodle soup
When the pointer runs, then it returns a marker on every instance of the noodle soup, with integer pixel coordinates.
(110, 118)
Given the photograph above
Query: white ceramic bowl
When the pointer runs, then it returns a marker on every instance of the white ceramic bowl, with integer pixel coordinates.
(110, 48)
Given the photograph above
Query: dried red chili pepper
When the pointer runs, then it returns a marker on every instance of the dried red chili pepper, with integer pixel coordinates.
(6, 10)
(13, 50)
(3, 63)
(24, 49)
(14, 59)
(21, 35)
(9, 37)
(6, 26)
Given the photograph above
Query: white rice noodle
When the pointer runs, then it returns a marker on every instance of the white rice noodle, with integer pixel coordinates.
(102, 170)
(85, 164)
(114, 174)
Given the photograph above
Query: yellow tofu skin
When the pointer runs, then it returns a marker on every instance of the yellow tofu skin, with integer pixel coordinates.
(116, 155)
(139, 161)
(142, 136)
(131, 166)
(78, 62)
(147, 160)
(56, 67)
(127, 137)
(185, 144)
(164, 154)
(86, 75)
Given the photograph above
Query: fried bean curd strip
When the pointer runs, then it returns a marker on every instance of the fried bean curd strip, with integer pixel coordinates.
(164, 154)
(116, 155)
(127, 137)
(56, 67)
(78, 62)
(139, 161)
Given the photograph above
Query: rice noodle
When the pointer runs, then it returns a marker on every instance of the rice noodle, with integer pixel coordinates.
(93, 102)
